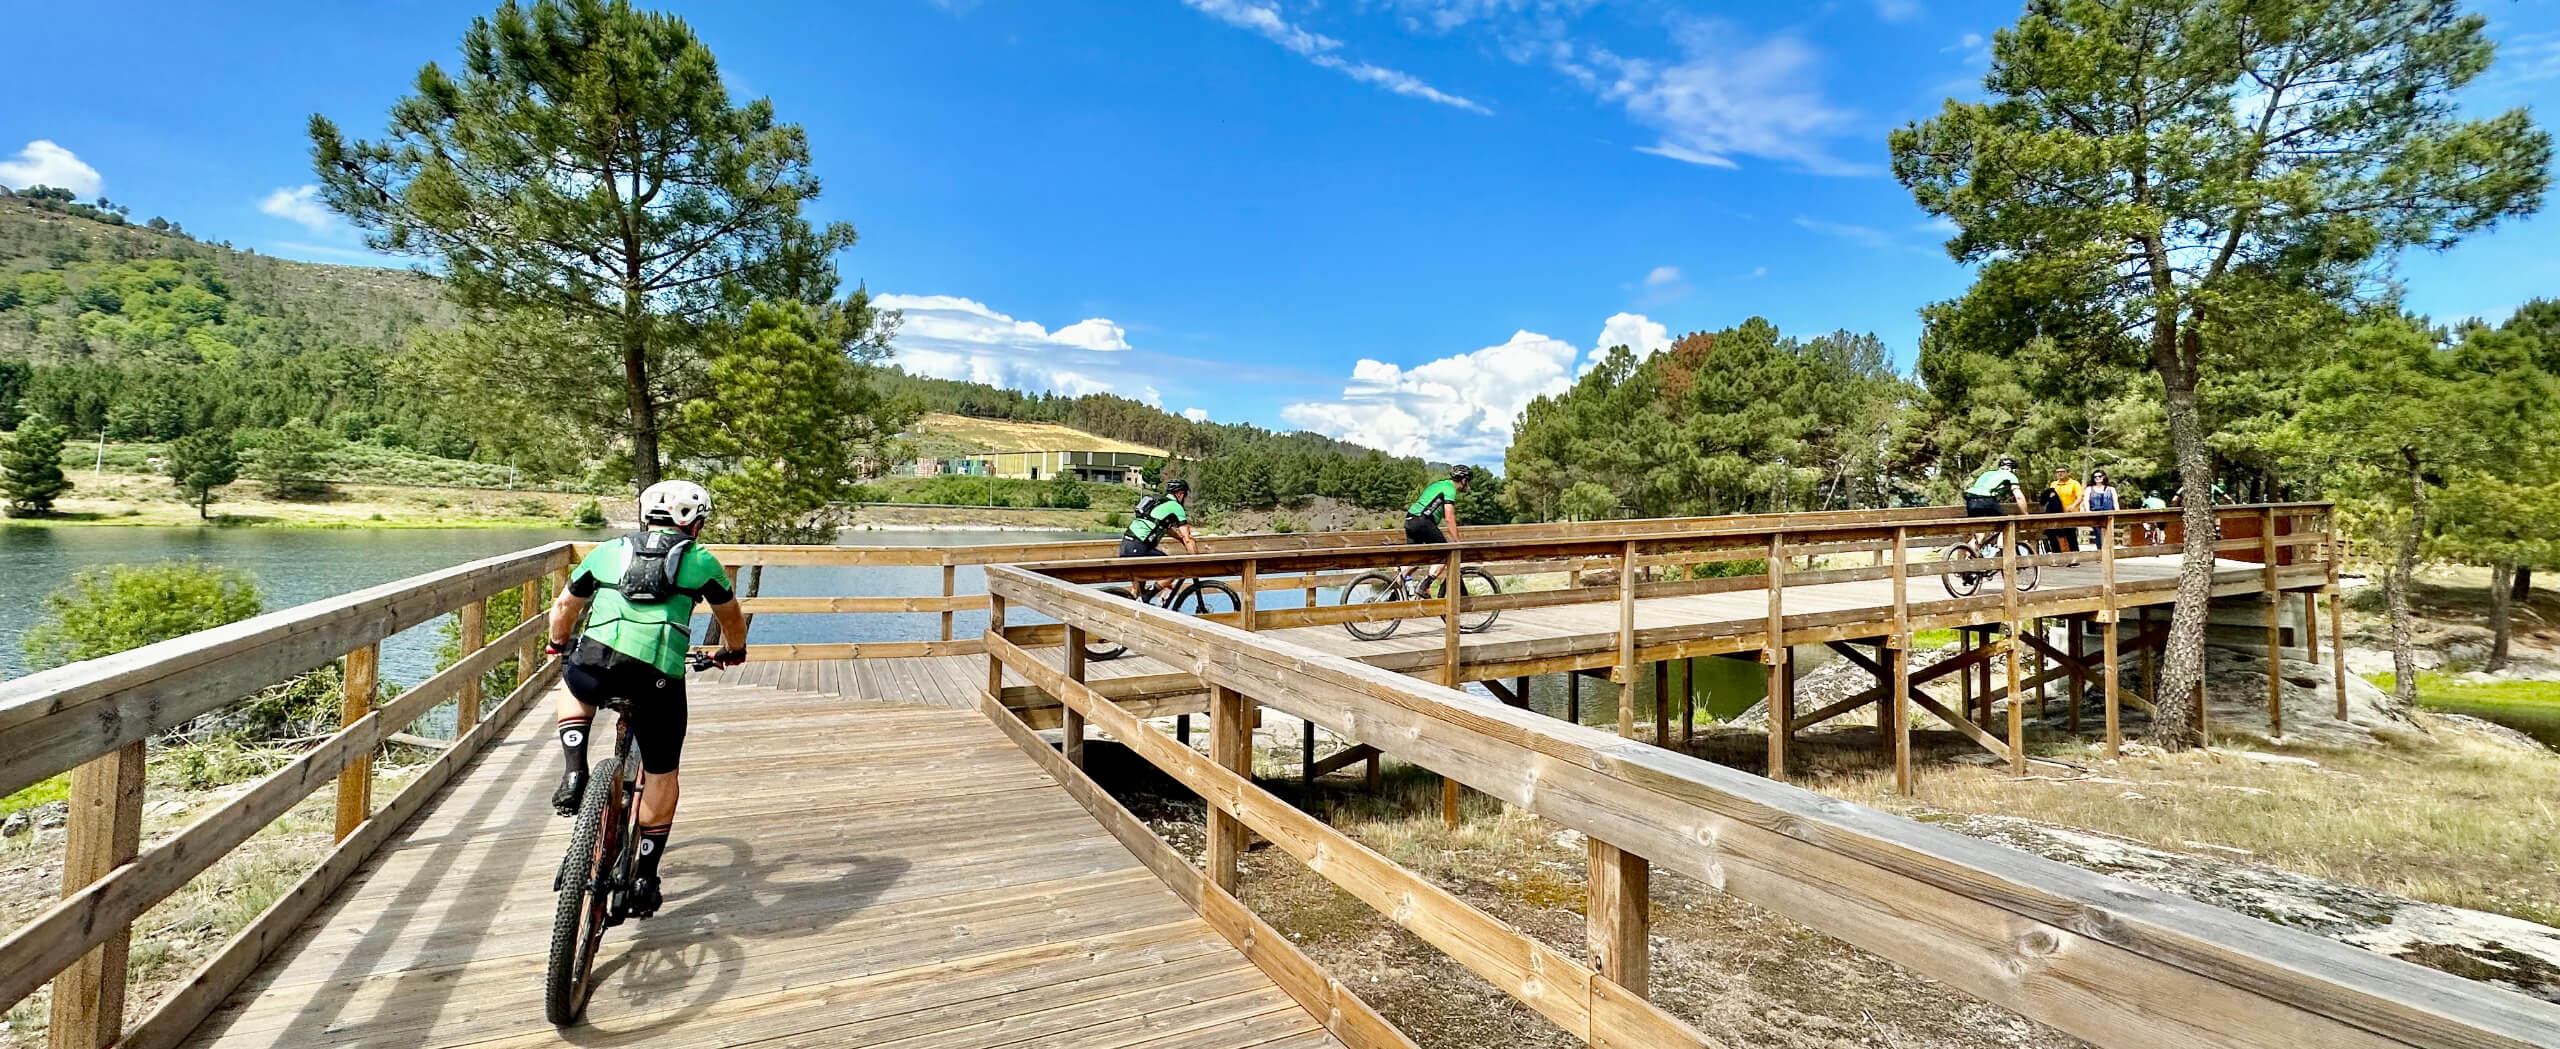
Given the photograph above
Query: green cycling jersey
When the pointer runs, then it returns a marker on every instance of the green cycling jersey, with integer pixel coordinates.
(1151, 524)
(654, 632)
(1993, 482)
(1433, 496)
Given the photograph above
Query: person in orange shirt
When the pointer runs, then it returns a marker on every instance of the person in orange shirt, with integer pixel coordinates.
(2067, 498)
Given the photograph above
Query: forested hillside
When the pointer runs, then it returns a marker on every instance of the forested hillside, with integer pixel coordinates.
(151, 335)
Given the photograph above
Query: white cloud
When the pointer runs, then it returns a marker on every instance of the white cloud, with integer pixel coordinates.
(43, 163)
(1897, 10)
(1661, 276)
(949, 337)
(300, 204)
(1865, 236)
(1756, 273)
(1197, 415)
(1149, 395)
(1942, 226)
(1264, 19)
(1720, 101)
(1461, 408)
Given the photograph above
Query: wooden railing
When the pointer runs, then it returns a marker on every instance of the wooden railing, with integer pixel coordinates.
(93, 719)
(2101, 959)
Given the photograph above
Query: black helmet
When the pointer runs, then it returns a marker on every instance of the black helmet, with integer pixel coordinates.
(1461, 472)
(2008, 462)
(1177, 486)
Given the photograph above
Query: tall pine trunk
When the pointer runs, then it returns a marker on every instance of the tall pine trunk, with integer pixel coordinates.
(643, 410)
(2395, 590)
(2172, 724)
(2502, 600)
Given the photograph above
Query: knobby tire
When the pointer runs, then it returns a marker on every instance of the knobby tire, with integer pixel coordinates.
(577, 920)
(1373, 588)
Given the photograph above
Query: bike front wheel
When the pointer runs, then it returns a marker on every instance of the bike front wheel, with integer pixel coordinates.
(578, 919)
(1477, 582)
(1099, 649)
(1208, 597)
(1960, 582)
(2026, 577)
(1373, 588)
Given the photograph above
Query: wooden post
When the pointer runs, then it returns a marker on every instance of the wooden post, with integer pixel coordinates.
(1230, 745)
(475, 635)
(2075, 693)
(1900, 661)
(1661, 702)
(355, 785)
(2009, 659)
(2150, 656)
(1618, 910)
(995, 667)
(531, 657)
(1774, 654)
(1252, 584)
(1182, 729)
(2311, 626)
(1626, 674)
(1688, 699)
(1310, 596)
(1071, 725)
(2275, 622)
(1452, 588)
(1573, 696)
(2337, 618)
(2115, 702)
(1307, 753)
(104, 832)
(949, 579)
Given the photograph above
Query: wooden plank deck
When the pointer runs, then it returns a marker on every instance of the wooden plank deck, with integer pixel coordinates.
(843, 874)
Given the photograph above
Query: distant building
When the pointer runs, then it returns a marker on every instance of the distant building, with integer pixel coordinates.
(1115, 467)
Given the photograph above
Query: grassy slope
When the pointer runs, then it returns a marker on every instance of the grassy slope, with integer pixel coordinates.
(959, 433)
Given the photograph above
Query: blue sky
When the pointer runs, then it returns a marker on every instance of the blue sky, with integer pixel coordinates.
(1390, 220)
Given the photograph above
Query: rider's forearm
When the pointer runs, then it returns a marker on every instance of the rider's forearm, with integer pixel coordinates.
(733, 625)
(565, 613)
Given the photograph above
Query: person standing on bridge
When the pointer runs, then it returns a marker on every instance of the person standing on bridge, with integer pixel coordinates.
(642, 589)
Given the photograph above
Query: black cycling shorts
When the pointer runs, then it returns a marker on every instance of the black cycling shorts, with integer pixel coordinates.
(1983, 506)
(1138, 548)
(1420, 528)
(657, 710)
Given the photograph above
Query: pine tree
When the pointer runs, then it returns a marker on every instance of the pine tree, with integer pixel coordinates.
(31, 468)
(200, 463)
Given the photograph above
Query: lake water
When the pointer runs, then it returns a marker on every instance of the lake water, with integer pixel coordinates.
(293, 566)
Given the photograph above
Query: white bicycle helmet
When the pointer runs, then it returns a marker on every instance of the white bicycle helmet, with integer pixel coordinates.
(679, 503)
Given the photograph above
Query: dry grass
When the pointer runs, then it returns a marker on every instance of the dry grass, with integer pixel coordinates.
(1005, 435)
(179, 934)
(2447, 817)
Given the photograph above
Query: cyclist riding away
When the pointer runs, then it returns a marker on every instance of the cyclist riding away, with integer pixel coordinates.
(1433, 517)
(641, 590)
(1984, 497)
(1157, 517)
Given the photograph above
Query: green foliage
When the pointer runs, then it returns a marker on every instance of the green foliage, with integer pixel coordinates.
(1739, 421)
(587, 165)
(31, 468)
(587, 514)
(1066, 493)
(1587, 501)
(202, 462)
(103, 611)
(294, 458)
(790, 421)
(13, 388)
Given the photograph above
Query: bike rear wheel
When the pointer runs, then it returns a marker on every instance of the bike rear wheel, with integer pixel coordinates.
(578, 919)
(1373, 588)
(1960, 582)
(1097, 650)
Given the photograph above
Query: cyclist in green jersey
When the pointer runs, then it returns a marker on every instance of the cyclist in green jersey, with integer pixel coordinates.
(1433, 517)
(624, 622)
(1982, 499)
(1157, 518)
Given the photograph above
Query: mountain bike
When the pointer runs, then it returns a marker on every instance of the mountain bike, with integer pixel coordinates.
(1199, 597)
(1374, 587)
(594, 882)
(1965, 582)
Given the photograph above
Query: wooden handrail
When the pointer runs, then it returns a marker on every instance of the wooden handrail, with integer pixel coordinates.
(96, 714)
(2110, 962)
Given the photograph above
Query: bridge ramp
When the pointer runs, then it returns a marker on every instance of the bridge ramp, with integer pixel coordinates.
(842, 874)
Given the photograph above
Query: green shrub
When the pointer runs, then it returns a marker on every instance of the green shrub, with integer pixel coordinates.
(588, 514)
(106, 610)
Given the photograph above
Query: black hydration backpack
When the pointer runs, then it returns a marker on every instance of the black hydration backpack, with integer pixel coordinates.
(1146, 519)
(650, 565)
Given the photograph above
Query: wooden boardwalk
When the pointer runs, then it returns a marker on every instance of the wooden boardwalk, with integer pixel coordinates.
(843, 874)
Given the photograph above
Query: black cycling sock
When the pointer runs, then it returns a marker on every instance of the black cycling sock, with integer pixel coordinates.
(573, 742)
(653, 844)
